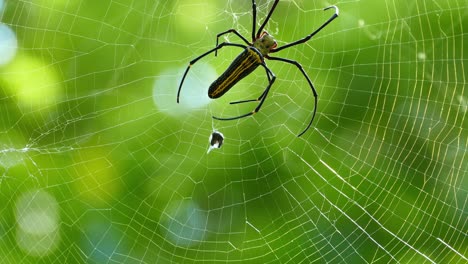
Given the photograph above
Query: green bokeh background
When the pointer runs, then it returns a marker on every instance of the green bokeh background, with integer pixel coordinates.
(88, 117)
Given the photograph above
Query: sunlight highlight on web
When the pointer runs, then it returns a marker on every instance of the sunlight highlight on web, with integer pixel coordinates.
(194, 93)
(38, 223)
(8, 43)
(185, 223)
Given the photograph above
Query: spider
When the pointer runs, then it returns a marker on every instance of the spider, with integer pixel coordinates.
(254, 55)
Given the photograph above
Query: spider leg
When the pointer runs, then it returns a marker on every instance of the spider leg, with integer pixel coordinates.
(261, 98)
(257, 99)
(227, 32)
(201, 56)
(305, 39)
(260, 29)
(314, 92)
(254, 18)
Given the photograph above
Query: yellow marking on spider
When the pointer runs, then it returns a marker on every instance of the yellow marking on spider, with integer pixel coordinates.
(252, 58)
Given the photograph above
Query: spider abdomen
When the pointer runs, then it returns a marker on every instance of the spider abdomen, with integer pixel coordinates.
(242, 66)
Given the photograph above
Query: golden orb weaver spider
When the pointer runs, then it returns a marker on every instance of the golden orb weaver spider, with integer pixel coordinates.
(254, 55)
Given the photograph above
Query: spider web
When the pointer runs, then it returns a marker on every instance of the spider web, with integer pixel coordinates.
(98, 164)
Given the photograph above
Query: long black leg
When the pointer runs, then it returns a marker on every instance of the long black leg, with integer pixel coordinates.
(305, 39)
(260, 29)
(257, 99)
(263, 97)
(254, 22)
(231, 31)
(201, 56)
(314, 92)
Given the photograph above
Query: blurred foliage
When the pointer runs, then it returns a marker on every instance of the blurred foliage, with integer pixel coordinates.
(380, 177)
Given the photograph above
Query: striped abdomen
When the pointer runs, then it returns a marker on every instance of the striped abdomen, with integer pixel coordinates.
(242, 66)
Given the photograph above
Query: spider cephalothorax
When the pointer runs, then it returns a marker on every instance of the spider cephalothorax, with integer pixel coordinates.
(265, 44)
